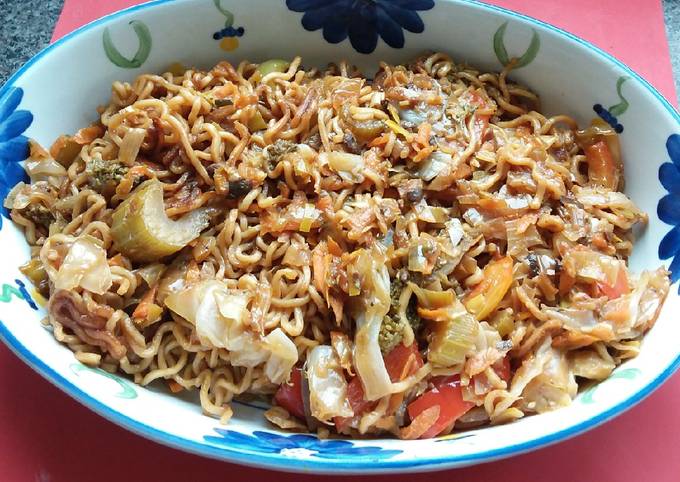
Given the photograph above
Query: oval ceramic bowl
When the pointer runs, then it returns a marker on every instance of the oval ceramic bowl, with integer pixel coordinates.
(58, 91)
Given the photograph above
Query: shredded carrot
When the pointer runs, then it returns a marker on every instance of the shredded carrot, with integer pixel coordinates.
(380, 141)
(142, 310)
(463, 171)
(421, 424)
(423, 154)
(225, 91)
(319, 267)
(325, 204)
(566, 282)
(334, 248)
(117, 260)
(174, 386)
(395, 402)
(423, 135)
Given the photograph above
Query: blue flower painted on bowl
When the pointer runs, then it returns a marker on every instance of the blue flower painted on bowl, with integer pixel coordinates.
(362, 20)
(297, 445)
(668, 208)
(13, 145)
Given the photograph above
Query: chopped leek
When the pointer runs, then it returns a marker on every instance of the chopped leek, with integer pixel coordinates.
(454, 337)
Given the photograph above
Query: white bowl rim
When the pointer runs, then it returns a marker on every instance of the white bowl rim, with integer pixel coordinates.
(271, 461)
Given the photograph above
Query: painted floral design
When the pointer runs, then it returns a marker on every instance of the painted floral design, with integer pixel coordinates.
(9, 292)
(626, 374)
(143, 51)
(228, 36)
(126, 390)
(13, 144)
(668, 208)
(296, 445)
(362, 20)
(610, 115)
(502, 53)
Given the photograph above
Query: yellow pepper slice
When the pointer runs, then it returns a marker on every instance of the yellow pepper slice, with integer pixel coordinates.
(484, 298)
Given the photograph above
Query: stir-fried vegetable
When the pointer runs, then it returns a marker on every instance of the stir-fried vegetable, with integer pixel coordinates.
(289, 395)
(403, 361)
(85, 265)
(66, 148)
(41, 167)
(348, 166)
(358, 402)
(35, 272)
(283, 356)
(594, 267)
(219, 314)
(409, 254)
(394, 327)
(603, 154)
(272, 65)
(368, 359)
(327, 385)
(620, 286)
(142, 231)
(601, 168)
(453, 333)
(484, 298)
(104, 176)
(363, 129)
(257, 123)
(447, 395)
(147, 311)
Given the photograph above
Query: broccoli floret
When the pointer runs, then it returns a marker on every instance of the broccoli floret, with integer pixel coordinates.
(39, 214)
(391, 334)
(274, 152)
(391, 329)
(412, 315)
(105, 175)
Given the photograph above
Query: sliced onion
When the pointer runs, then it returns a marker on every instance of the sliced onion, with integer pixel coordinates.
(219, 314)
(19, 197)
(368, 359)
(592, 266)
(129, 148)
(283, 356)
(431, 214)
(151, 273)
(348, 166)
(86, 266)
(437, 163)
(455, 229)
(473, 217)
(327, 385)
(44, 170)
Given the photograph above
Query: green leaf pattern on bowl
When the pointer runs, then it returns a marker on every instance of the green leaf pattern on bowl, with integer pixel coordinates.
(626, 374)
(126, 389)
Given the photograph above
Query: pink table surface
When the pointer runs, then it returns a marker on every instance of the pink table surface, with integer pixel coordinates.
(45, 436)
